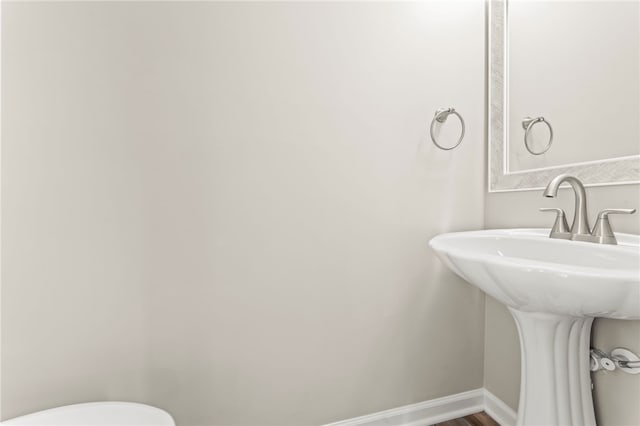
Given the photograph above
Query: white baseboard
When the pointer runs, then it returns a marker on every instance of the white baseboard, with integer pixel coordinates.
(438, 410)
(498, 410)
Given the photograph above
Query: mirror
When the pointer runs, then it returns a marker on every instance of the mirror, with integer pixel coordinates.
(564, 92)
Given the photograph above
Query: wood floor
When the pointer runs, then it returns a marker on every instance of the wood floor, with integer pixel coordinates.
(477, 419)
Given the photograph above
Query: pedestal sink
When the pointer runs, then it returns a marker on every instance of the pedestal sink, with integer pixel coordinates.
(554, 289)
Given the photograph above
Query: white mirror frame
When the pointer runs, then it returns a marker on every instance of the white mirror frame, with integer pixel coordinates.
(613, 171)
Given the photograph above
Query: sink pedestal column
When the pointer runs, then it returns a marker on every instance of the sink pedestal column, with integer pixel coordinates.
(555, 386)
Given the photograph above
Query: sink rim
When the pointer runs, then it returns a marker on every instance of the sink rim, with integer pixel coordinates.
(627, 243)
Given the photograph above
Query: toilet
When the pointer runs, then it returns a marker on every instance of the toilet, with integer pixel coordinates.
(106, 413)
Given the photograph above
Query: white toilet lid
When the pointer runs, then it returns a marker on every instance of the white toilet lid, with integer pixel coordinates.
(96, 414)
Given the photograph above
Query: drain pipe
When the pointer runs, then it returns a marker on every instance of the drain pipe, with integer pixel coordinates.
(620, 358)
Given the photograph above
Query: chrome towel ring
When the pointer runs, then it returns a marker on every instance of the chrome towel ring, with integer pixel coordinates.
(527, 124)
(441, 116)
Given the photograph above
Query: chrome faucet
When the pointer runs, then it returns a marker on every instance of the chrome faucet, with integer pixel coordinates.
(580, 230)
(580, 225)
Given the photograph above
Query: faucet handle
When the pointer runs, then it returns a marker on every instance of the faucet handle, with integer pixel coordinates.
(560, 227)
(606, 212)
(602, 230)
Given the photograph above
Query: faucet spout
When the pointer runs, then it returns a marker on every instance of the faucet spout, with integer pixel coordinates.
(580, 224)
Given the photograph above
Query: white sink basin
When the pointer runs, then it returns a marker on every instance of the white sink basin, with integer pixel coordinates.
(554, 289)
(526, 270)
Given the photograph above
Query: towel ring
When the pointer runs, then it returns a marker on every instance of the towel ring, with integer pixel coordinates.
(441, 116)
(527, 124)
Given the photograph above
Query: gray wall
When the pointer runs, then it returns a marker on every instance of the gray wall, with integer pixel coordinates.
(616, 393)
(223, 209)
(73, 212)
